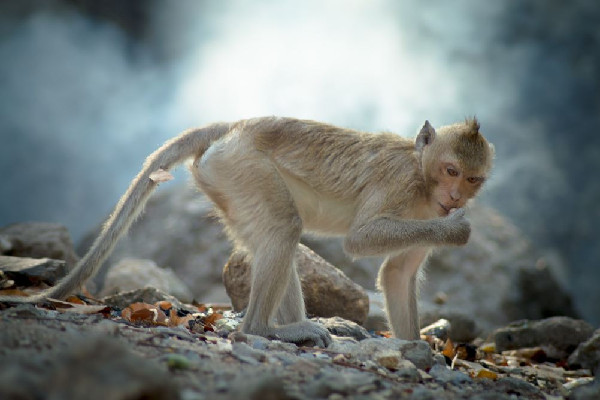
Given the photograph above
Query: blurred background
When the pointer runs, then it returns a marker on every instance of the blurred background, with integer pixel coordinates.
(89, 88)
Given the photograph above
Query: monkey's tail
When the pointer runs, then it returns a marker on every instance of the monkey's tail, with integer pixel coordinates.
(190, 143)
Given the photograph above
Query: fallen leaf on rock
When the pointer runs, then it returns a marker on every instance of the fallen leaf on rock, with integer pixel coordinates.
(175, 320)
(486, 374)
(164, 305)
(385, 334)
(449, 349)
(209, 321)
(74, 299)
(146, 313)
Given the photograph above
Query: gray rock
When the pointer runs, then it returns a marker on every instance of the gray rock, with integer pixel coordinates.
(517, 387)
(342, 327)
(558, 336)
(444, 374)
(418, 352)
(462, 328)
(587, 354)
(24, 271)
(134, 273)
(586, 392)
(148, 295)
(38, 240)
(91, 368)
(327, 291)
(439, 329)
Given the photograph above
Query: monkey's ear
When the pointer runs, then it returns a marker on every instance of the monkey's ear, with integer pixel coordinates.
(426, 136)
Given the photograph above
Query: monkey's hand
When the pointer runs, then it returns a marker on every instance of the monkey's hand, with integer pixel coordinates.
(458, 228)
(301, 332)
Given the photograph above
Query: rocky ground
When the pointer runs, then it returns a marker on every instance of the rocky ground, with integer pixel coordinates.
(136, 349)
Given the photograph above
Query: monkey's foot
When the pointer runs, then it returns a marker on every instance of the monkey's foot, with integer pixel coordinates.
(298, 333)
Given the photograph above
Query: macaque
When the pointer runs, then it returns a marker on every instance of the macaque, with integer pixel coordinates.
(271, 179)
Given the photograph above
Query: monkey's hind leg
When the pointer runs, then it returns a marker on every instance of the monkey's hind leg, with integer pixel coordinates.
(261, 215)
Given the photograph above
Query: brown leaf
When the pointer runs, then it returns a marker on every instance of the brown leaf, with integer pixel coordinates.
(74, 299)
(487, 374)
(210, 320)
(175, 320)
(164, 305)
(146, 313)
(449, 349)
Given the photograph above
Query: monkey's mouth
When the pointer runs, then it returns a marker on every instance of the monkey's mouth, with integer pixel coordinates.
(445, 209)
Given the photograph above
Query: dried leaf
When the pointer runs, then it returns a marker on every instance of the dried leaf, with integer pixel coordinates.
(164, 305)
(210, 320)
(449, 349)
(160, 175)
(147, 313)
(385, 334)
(175, 320)
(486, 374)
(74, 299)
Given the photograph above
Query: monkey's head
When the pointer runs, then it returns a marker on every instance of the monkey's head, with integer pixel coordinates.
(455, 163)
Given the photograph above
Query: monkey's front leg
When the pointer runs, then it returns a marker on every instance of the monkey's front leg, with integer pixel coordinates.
(399, 282)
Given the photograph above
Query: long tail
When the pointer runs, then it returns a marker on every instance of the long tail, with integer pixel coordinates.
(190, 143)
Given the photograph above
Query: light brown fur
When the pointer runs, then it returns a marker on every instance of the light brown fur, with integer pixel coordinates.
(273, 178)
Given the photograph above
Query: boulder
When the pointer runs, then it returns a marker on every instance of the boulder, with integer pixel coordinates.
(38, 240)
(557, 336)
(587, 354)
(25, 271)
(134, 273)
(328, 292)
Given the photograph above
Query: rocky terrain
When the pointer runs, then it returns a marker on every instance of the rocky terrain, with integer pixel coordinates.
(130, 338)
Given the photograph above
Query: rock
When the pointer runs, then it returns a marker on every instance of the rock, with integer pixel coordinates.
(147, 295)
(587, 354)
(518, 387)
(443, 374)
(557, 336)
(586, 392)
(38, 240)
(73, 373)
(133, 273)
(439, 329)
(417, 351)
(462, 328)
(179, 231)
(376, 319)
(327, 291)
(538, 295)
(342, 327)
(24, 271)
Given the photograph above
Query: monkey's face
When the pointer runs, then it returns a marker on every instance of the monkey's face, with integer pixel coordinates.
(453, 186)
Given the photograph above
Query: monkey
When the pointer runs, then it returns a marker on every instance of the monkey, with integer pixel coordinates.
(273, 178)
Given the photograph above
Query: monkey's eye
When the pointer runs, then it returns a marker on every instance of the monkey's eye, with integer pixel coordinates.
(474, 179)
(451, 171)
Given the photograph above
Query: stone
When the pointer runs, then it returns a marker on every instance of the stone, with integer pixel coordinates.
(328, 292)
(73, 373)
(587, 354)
(38, 240)
(147, 295)
(25, 271)
(444, 374)
(418, 352)
(462, 328)
(134, 273)
(439, 329)
(557, 336)
(342, 327)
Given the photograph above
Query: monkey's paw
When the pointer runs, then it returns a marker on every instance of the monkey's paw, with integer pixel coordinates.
(303, 332)
(459, 227)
